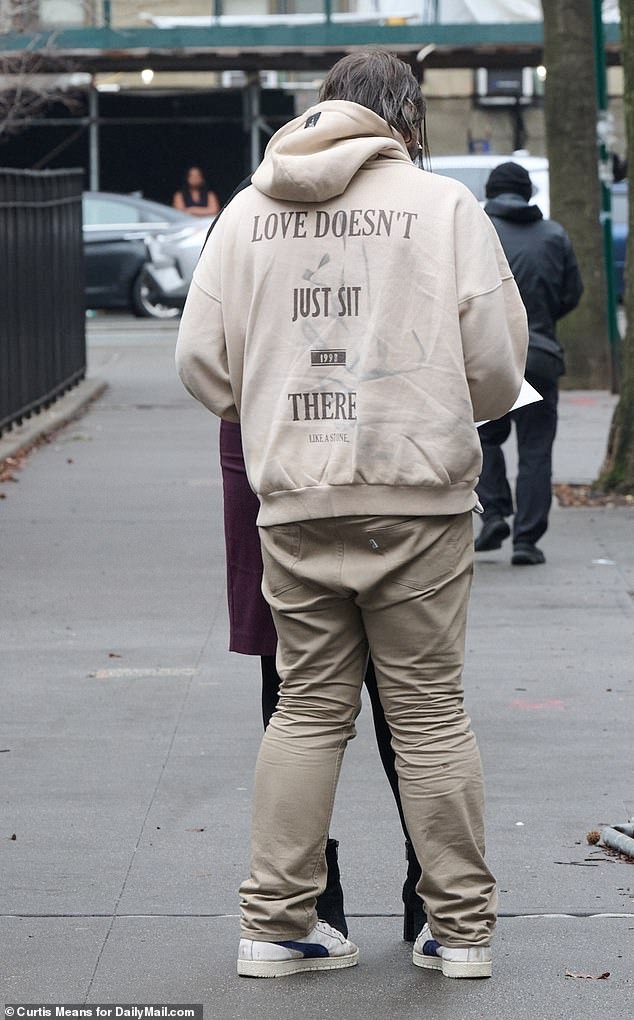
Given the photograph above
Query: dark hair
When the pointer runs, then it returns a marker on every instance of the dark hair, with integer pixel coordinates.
(204, 189)
(384, 84)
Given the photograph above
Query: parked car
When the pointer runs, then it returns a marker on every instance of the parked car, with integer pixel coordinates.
(474, 170)
(116, 228)
(162, 276)
(166, 276)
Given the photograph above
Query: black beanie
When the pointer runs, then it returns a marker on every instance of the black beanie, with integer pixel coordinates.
(509, 177)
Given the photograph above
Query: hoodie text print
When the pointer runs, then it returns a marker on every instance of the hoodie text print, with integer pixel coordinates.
(356, 315)
(340, 223)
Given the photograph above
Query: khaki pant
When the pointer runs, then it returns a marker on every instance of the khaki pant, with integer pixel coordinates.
(398, 588)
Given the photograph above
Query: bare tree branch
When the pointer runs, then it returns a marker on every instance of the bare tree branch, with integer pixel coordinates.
(26, 91)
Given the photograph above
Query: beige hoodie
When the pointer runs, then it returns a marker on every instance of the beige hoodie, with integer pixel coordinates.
(356, 315)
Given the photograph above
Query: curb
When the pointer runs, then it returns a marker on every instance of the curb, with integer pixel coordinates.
(41, 425)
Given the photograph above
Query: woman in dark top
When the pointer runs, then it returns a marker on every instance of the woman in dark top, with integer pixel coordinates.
(194, 197)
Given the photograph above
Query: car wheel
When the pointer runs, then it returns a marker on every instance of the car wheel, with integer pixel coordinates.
(144, 306)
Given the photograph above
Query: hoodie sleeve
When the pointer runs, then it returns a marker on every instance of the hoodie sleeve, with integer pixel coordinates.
(492, 317)
(201, 352)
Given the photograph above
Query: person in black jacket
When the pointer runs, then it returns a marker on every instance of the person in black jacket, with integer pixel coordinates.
(543, 262)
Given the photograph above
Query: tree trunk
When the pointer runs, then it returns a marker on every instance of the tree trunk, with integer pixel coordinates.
(571, 137)
(617, 473)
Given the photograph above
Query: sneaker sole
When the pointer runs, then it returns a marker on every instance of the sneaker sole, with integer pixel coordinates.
(452, 968)
(426, 962)
(280, 968)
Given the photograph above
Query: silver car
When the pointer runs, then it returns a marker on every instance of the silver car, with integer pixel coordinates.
(117, 230)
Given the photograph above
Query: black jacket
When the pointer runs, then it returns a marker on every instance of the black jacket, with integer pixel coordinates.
(543, 263)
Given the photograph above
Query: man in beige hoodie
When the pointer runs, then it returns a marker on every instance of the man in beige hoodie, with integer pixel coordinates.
(357, 315)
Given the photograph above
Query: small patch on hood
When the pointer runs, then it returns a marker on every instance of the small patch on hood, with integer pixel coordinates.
(314, 157)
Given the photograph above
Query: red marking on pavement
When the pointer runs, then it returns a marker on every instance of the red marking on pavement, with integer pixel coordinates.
(536, 706)
(582, 401)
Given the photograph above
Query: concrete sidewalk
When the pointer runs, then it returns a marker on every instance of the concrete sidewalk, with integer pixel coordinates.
(129, 734)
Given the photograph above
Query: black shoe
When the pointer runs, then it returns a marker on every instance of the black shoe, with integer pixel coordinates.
(525, 554)
(414, 916)
(330, 903)
(493, 533)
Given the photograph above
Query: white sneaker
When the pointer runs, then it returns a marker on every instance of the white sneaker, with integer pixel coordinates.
(324, 948)
(467, 962)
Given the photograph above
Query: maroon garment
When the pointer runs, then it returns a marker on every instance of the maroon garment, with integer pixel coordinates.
(251, 629)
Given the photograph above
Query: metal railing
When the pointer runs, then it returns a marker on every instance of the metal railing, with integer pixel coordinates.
(42, 316)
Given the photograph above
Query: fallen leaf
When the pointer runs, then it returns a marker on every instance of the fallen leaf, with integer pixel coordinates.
(589, 977)
(9, 465)
(572, 495)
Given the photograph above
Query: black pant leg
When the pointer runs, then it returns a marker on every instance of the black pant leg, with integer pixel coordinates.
(270, 687)
(493, 488)
(536, 426)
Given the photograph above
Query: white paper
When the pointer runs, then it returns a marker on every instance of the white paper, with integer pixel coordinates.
(527, 395)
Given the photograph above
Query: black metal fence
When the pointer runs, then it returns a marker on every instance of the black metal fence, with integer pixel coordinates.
(42, 311)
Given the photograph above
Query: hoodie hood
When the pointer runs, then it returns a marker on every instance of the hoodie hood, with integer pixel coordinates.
(314, 157)
(510, 206)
